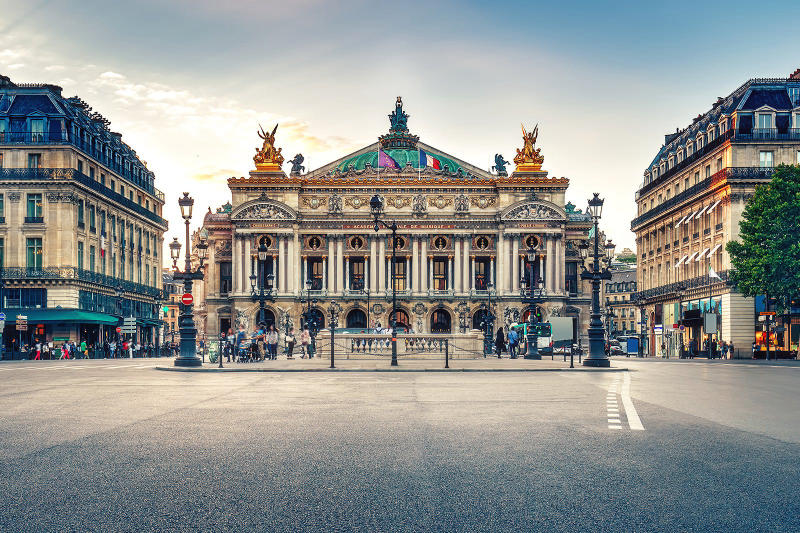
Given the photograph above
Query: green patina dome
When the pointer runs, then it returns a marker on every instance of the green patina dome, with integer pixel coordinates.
(400, 155)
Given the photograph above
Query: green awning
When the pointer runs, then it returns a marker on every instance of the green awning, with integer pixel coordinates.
(42, 316)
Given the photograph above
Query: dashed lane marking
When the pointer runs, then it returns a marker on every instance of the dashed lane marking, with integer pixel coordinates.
(611, 405)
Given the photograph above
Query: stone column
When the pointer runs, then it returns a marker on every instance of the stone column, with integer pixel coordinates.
(465, 276)
(373, 261)
(415, 264)
(324, 272)
(248, 260)
(381, 266)
(276, 270)
(515, 264)
(297, 277)
(472, 277)
(408, 272)
(491, 272)
(450, 273)
(501, 253)
(551, 276)
(339, 264)
(304, 274)
(367, 273)
(423, 260)
(284, 245)
(236, 265)
(457, 278)
(347, 273)
(429, 267)
(559, 259)
(331, 270)
(290, 268)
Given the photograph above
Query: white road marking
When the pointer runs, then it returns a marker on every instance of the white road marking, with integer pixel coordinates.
(630, 411)
(611, 405)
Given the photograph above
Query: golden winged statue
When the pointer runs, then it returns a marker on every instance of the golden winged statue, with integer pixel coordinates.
(268, 157)
(529, 158)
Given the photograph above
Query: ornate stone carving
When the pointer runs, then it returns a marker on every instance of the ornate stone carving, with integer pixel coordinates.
(419, 204)
(419, 308)
(14, 197)
(241, 318)
(462, 203)
(398, 202)
(314, 202)
(500, 165)
(511, 315)
(263, 211)
(62, 197)
(483, 201)
(533, 211)
(440, 201)
(356, 202)
(377, 309)
(297, 164)
(335, 204)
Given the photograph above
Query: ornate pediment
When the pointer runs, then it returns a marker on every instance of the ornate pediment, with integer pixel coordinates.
(262, 209)
(533, 211)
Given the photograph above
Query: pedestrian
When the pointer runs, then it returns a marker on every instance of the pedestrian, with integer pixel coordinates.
(730, 349)
(272, 342)
(38, 349)
(230, 341)
(513, 338)
(724, 348)
(254, 351)
(305, 342)
(290, 342)
(85, 349)
(241, 339)
(755, 349)
(499, 342)
(714, 352)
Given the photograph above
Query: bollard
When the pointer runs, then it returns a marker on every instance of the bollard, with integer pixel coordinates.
(446, 353)
(332, 347)
(571, 358)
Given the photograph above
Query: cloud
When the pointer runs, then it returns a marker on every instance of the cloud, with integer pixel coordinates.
(16, 66)
(54, 68)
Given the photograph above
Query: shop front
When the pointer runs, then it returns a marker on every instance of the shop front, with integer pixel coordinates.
(54, 326)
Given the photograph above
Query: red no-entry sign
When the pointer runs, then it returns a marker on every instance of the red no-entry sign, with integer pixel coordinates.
(187, 299)
(119, 329)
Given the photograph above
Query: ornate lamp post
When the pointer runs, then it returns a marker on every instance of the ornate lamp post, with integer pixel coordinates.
(376, 208)
(188, 353)
(488, 320)
(597, 354)
(309, 319)
(261, 291)
(532, 294)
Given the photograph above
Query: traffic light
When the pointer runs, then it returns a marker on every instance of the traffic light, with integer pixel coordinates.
(545, 329)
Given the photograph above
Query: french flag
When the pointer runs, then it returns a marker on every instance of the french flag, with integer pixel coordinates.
(427, 160)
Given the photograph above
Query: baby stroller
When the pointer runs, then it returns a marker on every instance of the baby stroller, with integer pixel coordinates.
(242, 352)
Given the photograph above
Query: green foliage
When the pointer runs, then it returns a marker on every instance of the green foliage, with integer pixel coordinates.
(628, 259)
(766, 259)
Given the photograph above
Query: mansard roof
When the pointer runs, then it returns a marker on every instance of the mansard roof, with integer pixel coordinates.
(751, 95)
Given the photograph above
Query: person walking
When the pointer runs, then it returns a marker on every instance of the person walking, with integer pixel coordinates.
(38, 348)
(730, 349)
(85, 349)
(272, 342)
(499, 342)
(290, 342)
(305, 342)
(241, 339)
(513, 339)
(230, 342)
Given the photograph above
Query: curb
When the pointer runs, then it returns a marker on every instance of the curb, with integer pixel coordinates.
(418, 370)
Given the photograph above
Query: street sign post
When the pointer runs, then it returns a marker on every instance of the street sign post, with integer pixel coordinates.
(22, 322)
(2, 316)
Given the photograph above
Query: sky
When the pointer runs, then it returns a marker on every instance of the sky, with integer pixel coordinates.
(187, 82)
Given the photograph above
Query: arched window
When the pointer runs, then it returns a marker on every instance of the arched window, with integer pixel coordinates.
(478, 319)
(440, 321)
(265, 317)
(402, 319)
(316, 319)
(356, 319)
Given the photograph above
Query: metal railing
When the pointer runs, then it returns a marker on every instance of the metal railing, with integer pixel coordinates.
(409, 345)
(66, 174)
(680, 286)
(72, 273)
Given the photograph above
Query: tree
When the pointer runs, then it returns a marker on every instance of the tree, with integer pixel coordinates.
(766, 259)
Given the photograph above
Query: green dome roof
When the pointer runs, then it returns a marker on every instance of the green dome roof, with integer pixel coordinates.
(401, 156)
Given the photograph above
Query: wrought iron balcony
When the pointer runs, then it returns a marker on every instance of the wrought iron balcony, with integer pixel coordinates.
(679, 286)
(66, 174)
(80, 274)
(34, 220)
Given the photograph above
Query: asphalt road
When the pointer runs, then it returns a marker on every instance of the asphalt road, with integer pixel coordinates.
(119, 446)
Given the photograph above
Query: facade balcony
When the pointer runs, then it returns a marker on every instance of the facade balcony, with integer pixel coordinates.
(79, 274)
(23, 138)
(678, 287)
(440, 293)
(34, 220)
(70, 174)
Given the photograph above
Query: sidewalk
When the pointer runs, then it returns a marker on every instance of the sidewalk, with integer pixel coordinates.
(404, 365)
(703, 360)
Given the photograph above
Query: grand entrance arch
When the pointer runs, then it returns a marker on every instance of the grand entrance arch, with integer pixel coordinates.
(356, 319)
(265, 317)
(441, 321)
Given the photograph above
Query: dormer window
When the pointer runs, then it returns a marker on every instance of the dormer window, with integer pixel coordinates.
(689, 148)
(764, 121)
(797, 120)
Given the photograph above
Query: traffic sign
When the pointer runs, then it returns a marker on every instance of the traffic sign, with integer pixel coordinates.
(767, 313)
(23, 318)
(22, 327)
(674, 326)
(187, 299)
(2, 316)
(119, 329)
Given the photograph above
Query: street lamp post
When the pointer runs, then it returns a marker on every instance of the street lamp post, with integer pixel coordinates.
(488, 321)
(532, 294)
(261, 291)
(610, 316)
(310, 321)
(376, 207)
(597, 354)
(188, 354)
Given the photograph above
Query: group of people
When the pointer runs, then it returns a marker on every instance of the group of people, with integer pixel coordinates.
(513, 343)
(262, 344)
(710, 348)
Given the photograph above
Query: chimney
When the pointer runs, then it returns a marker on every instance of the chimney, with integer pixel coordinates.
(795, 75)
